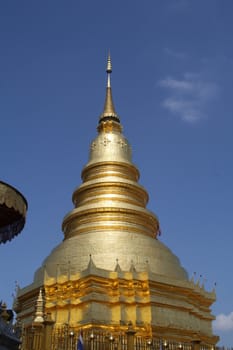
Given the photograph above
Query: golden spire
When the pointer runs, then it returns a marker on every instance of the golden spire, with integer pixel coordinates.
(39, 315)
(109, 112)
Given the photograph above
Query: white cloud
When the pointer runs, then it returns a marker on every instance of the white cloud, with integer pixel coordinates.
(176, 54)
(223, 322)
(188, 97)
(176, 84)
(188, 110)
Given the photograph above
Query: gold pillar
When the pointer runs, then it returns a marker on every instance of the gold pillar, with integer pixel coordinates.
(196, 344)
(130, 336)
(48, 330)
(38, 336)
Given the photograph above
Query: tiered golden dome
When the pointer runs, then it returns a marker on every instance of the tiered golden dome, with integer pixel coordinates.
(110, 220)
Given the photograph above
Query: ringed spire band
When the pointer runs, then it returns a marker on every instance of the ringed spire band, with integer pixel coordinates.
(109, 112)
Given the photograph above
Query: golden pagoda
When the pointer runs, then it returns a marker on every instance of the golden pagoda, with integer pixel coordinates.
(111, 269)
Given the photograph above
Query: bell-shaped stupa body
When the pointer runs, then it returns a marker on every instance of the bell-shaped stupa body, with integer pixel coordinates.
(111, 268)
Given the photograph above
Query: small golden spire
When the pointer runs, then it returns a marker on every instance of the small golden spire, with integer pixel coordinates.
(39, 314)
(109, 112)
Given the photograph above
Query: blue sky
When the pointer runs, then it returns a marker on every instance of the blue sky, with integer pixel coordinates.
(172, 87)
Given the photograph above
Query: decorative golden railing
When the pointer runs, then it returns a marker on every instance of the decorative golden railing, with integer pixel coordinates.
(66, 338)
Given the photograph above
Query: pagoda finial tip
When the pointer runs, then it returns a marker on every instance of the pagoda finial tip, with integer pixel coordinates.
(109, 64)
(109, 112)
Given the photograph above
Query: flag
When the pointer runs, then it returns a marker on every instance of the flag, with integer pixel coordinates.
(80, 342)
